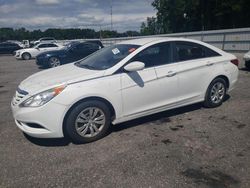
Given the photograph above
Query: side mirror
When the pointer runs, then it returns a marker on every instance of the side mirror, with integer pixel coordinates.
(37, 48)
(134, 66)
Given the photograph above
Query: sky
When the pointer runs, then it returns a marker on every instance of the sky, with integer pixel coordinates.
(95, 14)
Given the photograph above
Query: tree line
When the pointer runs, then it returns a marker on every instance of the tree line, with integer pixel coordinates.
(60, 34)
(196, 15)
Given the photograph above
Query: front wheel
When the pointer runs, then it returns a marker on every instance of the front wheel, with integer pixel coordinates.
(26, 56)
(54, 62)
(88, 121)
(216, 93)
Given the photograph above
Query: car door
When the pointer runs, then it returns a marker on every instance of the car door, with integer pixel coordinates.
(12, 47)
(40, 48)
(195, 67)
(73, 54)
(51, 47)
(146, 90)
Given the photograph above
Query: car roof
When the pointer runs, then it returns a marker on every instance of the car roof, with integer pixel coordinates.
(146, 40)
(44, 42)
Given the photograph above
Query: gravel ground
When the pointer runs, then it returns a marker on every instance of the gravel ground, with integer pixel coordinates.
(186, 147)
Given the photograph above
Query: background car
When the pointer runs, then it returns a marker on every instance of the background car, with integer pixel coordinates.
(29, 53)
(247, 60)
(72, 52)
(122, 82)
(9, 47)
(45, 39)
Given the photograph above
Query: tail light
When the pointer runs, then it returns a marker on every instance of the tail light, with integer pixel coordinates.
(235, 62)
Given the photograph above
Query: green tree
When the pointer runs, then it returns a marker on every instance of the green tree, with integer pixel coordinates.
(194, 15)
(151, 27)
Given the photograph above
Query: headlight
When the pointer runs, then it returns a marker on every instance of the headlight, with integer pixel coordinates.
(42, 98)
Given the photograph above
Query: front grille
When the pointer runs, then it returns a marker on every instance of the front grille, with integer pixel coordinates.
(18, 96)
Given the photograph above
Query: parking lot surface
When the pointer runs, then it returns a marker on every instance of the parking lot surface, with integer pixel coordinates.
(186, 147)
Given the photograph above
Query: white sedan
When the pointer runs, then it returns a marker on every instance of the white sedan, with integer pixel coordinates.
(122, 82)
(28, 53)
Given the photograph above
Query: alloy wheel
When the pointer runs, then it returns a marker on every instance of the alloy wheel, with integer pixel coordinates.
(54, 62)
(90, 122)
(217, 92)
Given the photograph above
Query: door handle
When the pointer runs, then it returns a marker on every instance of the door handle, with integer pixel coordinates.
(210, 64)
(171, 73)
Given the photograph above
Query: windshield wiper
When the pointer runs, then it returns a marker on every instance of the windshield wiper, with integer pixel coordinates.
(87, 66)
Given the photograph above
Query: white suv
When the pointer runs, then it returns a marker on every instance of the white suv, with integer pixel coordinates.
(122, 82)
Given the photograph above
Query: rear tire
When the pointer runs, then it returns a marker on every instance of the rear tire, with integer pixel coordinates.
(26, 56)
(247, 64)
(216, 93)
(88, 121)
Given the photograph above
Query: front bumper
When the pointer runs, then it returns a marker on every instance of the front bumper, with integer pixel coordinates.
(49, 117)
(17, 55)
(42, 61)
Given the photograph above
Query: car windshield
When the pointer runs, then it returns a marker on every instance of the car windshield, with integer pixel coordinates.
(107, 57)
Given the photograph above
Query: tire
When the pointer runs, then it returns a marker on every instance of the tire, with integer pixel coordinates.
(26, 56)
(216, 93)
(247, 65)
(54, 62)
(82, 127)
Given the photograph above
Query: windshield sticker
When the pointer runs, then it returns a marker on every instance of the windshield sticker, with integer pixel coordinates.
(131, 50)
(116, 51)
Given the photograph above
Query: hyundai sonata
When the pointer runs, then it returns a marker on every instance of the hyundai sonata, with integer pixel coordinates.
(122, 82)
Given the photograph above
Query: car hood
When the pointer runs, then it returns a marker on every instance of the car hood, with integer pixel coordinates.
(25, 50)
(50, 78)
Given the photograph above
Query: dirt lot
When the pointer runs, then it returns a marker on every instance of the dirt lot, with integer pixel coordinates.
(187, 147)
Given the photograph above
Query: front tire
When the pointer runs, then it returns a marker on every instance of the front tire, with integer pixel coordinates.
(216, 93)
(88, 121)
(26, 56)
(54, 62)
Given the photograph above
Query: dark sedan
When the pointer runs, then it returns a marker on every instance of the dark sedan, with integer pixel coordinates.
(8, 47)
(72, 52)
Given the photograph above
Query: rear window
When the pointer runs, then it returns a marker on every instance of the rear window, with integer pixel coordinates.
(187, 51)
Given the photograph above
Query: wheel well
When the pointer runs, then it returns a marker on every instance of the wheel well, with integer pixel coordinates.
(26, 53)
(110, 106)
(224, 78)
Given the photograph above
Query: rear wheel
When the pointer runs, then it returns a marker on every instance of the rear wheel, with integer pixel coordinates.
(88, 121)
(54, 62)
(216, 93)
(247, 64)
(26, 56)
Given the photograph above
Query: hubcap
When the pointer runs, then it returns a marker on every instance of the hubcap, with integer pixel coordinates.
(54, 62)
(217, 92)
(90, 122)
(26, 56)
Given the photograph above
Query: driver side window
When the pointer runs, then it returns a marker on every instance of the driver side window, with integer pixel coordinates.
(42, 46)
(156, 55)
